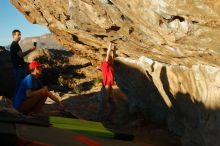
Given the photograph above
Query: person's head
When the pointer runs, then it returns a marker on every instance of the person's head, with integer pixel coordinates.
(35, 68)
(16, 34)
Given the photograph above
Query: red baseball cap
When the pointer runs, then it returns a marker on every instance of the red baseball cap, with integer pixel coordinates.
(34, 64)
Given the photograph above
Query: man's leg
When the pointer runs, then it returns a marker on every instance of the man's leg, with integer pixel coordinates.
(102, 104)
(110, 101)
(37, 108)
(19, 76)
(34, 103)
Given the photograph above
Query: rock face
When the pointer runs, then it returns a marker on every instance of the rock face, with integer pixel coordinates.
(168, 51)
(186, 98)
(175, 32)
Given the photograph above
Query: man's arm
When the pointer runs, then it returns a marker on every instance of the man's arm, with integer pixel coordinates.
(113, 52)
(23, 54)
(108, 52)
(44, 90)
(54, 98)
(31, 93)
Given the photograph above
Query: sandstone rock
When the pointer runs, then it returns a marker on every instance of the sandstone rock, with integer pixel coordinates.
(175, 32)
(177, 80)
(186, 98)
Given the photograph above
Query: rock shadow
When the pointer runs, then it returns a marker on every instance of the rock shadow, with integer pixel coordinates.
(86, 86)
(144, 98)
(59, 74)
(196, 124)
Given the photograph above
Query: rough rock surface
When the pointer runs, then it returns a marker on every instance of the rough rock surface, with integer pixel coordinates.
(180, 81)
(187, 98)
(175, 32)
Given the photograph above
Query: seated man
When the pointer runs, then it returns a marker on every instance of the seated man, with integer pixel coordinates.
(31, 94)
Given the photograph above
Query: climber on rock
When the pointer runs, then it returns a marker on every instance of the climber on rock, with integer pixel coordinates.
(31, 94)
(106, 95)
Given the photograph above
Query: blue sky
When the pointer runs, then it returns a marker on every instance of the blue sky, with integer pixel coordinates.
(11, 18)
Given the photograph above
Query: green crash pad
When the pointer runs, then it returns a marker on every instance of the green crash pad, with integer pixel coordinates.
(82, 126)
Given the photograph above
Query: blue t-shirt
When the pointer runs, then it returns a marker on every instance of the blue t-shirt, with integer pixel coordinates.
(28, 83)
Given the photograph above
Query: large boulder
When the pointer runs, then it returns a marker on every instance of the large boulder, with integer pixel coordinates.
(168, 51)
(175, 32)
(186, 98)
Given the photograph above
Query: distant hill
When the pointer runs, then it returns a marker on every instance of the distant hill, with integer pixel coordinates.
(45, 41)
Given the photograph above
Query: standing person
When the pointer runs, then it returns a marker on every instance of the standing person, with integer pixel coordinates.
(17, 58)
(31, 94)
(106, 95)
